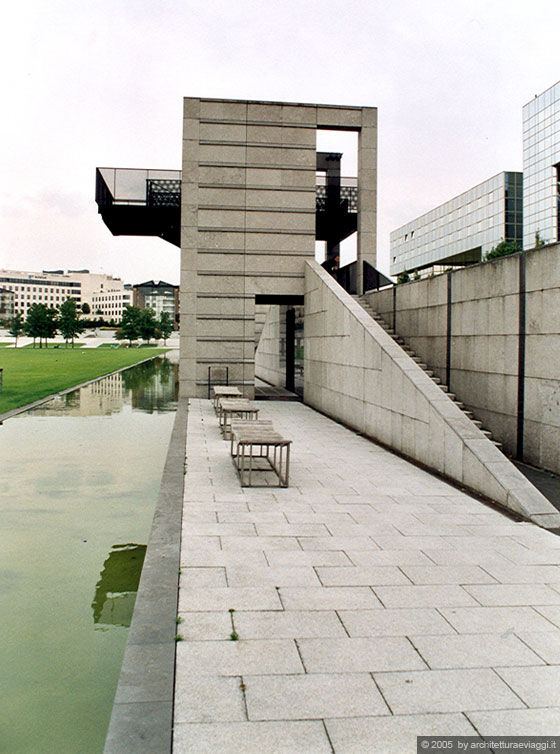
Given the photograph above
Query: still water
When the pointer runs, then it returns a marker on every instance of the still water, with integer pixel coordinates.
(79, 478)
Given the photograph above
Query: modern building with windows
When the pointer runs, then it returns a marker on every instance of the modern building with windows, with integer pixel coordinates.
(109, 302)
(53, 287)
(462, 230)
(6, 304)
(541, 168)
(49, 288)
(159, 296)
(521, 207)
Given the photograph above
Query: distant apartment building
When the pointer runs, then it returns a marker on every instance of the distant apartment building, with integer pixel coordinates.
(110, 301)
(541, 168)
(159, 296)
(49, 288)
(53, 287)
(6, 304)
(462, 230)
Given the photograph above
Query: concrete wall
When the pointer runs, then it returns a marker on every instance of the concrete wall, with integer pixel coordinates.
(484, 344)
(356, 373)
(261, 312)
(248, 220)
(270, 357)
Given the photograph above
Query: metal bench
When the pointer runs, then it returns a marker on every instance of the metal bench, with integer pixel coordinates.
(241, 424)
(253, 443)
(224, 391)
(230, 408)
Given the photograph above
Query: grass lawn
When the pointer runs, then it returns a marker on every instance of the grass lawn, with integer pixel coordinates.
(52, 344)
(30, 374)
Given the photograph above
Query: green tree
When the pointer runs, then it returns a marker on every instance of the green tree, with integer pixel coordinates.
(147, 324)
(86, 309)
(69, 322)
(502, 250)
(403, 277)
(32, 325)
(16, 326)
(42, 323)
(165, 325)
(130, 323)
(50, 324)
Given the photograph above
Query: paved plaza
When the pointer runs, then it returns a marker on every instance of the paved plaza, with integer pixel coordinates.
(370, 602)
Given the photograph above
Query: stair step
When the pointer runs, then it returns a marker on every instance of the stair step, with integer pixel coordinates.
(417, 359)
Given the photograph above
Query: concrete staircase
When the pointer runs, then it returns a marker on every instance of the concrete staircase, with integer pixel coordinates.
(408, 350)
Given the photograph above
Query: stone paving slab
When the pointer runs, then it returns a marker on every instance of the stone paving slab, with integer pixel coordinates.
(366, 604)
(392, 734)
(285, 737)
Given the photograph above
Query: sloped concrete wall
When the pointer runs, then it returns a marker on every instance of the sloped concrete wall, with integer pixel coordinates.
(270, 358)
(484, 344)
(356, 373)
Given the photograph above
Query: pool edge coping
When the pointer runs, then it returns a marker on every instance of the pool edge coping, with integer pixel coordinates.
(142, 714)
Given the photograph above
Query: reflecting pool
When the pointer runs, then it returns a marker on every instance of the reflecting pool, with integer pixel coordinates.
(79, 478)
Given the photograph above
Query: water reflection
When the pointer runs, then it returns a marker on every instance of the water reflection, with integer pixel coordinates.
(77, 476)
(115, 592)
(152, 387)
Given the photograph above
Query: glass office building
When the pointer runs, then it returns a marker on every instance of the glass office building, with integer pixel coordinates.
(541, 168)
(463, 229)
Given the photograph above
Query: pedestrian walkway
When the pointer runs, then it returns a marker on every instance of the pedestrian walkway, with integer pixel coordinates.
(368, 603)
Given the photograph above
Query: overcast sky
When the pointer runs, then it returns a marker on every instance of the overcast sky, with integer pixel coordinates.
(101, 83)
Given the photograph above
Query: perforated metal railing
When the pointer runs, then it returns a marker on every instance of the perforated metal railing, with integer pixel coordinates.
(348, 193)
(163, 193)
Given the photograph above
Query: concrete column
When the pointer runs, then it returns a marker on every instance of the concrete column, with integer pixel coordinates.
(189, 247)
(367, 191)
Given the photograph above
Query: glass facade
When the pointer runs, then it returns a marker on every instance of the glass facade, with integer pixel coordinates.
(541, 160)
(463, 229)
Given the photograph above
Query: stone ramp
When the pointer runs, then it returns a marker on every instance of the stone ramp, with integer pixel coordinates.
(356, 373)
(371, 602)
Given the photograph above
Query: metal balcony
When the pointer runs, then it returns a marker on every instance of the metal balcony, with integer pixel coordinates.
(140, 202)
(336, 208)
(134, 202)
